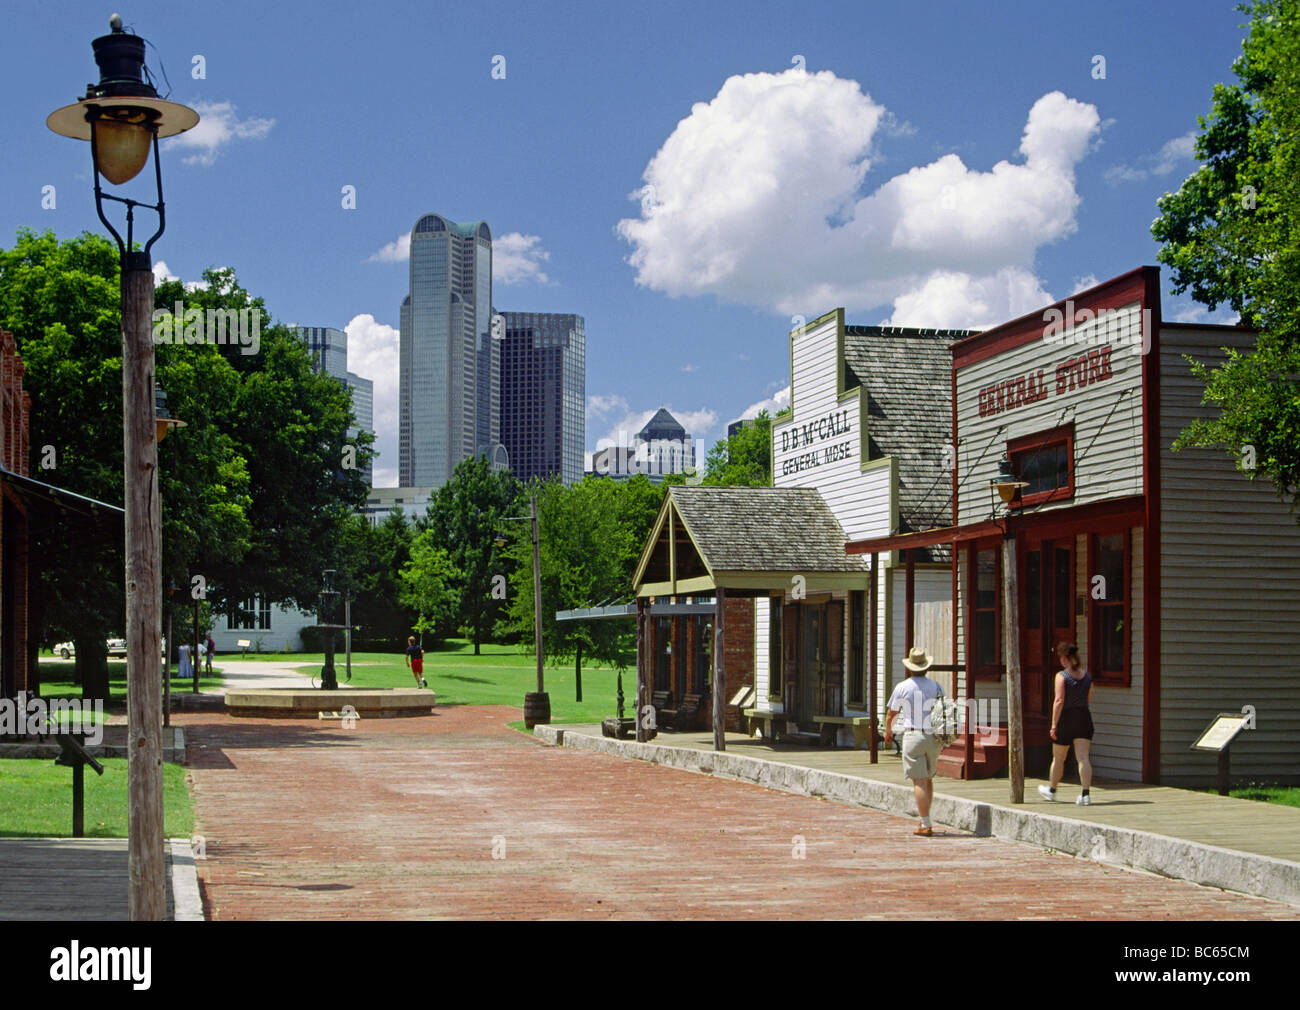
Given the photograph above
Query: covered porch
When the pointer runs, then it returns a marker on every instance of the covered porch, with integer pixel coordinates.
(746, 544)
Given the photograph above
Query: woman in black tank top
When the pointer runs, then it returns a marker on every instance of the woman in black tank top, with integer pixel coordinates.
(1071, 722)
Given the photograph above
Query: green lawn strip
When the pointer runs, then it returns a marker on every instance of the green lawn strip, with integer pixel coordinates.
(500, 675)
(36, 800)
(1287, 796)
(57, 679)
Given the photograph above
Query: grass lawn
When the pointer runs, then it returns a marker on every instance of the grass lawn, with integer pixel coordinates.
(36, 800)
(501, 675)
(57, 679)
(1287, 796)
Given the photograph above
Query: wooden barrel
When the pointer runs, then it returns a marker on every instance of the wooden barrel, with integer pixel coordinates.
(537, 708)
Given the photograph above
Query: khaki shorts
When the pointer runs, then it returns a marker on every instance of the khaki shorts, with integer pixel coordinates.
(920, 754)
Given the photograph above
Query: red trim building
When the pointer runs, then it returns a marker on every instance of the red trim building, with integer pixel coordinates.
(1176, 573)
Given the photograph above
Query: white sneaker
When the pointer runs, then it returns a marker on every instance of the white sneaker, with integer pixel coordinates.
(1046, 794)
(1084, 801)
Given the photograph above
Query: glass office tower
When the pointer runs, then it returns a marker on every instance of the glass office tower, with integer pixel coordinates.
(449, 373)
(543, 394)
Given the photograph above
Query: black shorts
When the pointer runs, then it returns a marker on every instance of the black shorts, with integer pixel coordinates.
(1075, 724)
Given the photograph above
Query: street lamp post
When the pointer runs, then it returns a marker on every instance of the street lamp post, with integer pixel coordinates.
(537, 706)
(1006, 484)
(123, 117)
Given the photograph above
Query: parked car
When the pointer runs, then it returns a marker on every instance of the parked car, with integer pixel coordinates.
(117, 647)
(65, 650)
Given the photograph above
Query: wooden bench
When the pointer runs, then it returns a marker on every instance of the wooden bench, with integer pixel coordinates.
(773, 722)
(686, 714)
(861, 728)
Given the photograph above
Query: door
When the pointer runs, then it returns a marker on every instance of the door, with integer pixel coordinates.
(810, 672)
(1048, 618)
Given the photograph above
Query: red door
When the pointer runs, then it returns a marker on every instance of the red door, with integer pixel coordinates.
(1047, 617)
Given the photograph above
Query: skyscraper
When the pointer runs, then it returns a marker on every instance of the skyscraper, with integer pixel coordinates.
(449, 375)
(543, 394)
(329, 354)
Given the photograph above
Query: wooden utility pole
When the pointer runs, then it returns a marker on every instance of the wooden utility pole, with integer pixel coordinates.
(720, 674)
(146, 894)
(577, 669)
(1011, 638)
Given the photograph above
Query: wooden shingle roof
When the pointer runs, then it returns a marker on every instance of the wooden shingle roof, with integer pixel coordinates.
(764, 529)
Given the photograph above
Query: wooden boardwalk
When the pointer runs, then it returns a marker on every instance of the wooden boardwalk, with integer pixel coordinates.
(66, 879)
(1268, 829)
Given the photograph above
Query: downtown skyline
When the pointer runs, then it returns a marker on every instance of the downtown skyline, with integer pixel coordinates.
(689, 180)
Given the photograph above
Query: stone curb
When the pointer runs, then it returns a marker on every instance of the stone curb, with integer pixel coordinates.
(187, 906)
(173, 753)
(1178, 858)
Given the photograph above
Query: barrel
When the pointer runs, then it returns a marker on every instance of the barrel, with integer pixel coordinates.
(537, 708)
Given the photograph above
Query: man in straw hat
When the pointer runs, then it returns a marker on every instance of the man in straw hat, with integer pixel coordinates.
(915, 698)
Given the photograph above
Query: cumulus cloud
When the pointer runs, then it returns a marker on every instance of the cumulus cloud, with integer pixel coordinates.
(219, 125)
(1171, 154)
(518, 258)
(961, 300)
(757, 197)
(161, 274)
(372, 354)
(599, 405)
(397, 251)
(774, 404)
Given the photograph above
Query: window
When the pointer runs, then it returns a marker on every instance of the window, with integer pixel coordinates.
(703, 654)
(986, 610)
(857, 648)
(1108, 600)
(253, 614)
(774, 647)
(663, 653)
(1044, 460)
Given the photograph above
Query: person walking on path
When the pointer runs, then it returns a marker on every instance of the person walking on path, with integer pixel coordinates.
(183, 668)
(915, 698)
(415, 662)
(1071, 722)
(211, 647)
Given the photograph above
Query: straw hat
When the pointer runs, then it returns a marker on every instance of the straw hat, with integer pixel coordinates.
(918, 660)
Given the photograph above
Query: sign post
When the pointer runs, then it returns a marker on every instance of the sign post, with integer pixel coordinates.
(1218, 737)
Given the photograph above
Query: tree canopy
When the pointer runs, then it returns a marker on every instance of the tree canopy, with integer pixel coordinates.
(1231, 235)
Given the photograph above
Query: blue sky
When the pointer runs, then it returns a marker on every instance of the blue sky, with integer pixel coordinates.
(686, 176)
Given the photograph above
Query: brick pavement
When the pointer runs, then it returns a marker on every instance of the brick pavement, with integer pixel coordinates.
(399, 818)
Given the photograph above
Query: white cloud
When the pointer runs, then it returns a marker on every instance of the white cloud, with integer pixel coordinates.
(372, 354)
(599, 406)
(954, 299)
(756, 198)
(774, 404)
(1085, 282)
(161, 274)
(1171, 154)
(397, 251)
(518, 258)
(688, 368)
(218, 126)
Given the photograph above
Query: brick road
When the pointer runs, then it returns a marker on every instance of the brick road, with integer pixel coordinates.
(399, 818)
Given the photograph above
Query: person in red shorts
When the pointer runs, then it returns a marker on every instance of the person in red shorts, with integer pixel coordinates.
(415, 662)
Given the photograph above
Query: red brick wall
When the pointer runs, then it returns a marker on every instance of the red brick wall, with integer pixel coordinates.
(15, 414)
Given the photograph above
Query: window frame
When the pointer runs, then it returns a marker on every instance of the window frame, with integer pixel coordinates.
(1097, 608)
(988, 671)
(1037, 442)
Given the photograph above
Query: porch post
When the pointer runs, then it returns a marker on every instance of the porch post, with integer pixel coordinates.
(872, 614)
(909, 594)
(641, 621)
(1011, 638)
(719, 675)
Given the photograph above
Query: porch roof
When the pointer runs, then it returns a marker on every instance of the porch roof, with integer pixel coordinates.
(744, 539)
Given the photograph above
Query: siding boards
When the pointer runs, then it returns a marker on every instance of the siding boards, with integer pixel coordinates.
(1107, 416)
(1230, 594)
(1116, 711)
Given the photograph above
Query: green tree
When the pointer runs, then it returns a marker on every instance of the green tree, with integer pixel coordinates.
(371, 559)
(1231, 234)
(743, 459)
(430, 586)
(465, 516)
(288, 423)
